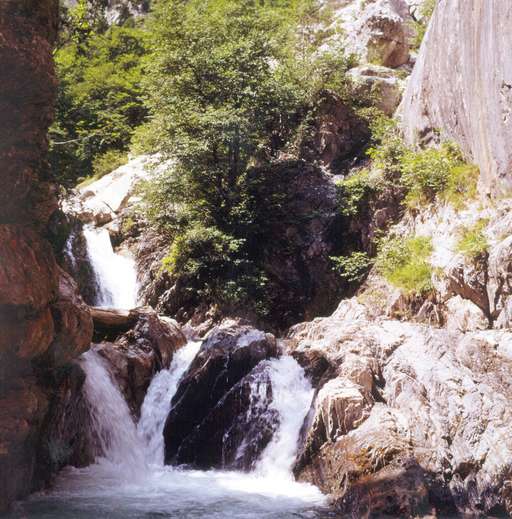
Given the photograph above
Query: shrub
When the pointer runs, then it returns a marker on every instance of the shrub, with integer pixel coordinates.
(426, 173)
(355, 190)
(473, 241)
(462, 185)
(405, 263)
(213, 267)
(352, 268)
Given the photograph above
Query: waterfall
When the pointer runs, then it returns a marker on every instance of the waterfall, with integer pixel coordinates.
(130, 480)
(112, 425)
(292, 396)
(157, 403)
(116, 276)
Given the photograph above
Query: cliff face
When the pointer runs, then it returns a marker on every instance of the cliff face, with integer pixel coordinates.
(461, 86)
(43, 320)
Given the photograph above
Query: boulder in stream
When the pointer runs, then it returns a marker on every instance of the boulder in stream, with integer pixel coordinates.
(228, 355)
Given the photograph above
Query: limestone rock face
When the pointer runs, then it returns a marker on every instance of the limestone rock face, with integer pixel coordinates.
(228, 354)
(103, 200)
(462, 86)
(415, 417)
(377, 31)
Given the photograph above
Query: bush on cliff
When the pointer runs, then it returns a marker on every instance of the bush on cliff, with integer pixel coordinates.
(405, 263)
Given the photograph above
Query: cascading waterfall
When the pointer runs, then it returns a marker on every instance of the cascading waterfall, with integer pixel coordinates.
(116, 276)
(111, 422)
(157, 402)
(292, 396)
(129, 479)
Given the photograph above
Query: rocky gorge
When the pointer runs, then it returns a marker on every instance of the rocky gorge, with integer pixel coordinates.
(357, 397)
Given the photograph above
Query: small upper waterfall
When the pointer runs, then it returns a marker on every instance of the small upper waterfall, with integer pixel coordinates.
(116, 276)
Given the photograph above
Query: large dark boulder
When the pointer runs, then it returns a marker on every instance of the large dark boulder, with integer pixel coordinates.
(237, 429)
(225, 357)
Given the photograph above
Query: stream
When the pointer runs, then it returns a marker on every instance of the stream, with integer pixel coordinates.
(130, 480)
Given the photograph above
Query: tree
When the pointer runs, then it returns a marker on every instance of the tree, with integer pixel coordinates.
(100, 95)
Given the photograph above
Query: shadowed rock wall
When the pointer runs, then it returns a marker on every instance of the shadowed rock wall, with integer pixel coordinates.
(44, 322)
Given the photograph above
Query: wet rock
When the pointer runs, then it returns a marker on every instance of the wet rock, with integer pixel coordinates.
(316, 365)
(64, 438)
(138, 354)
(23, 406)
(416, 416)
(237, 430)
(73, 323)
(228, 354)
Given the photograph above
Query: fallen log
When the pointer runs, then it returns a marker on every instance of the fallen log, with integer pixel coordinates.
(112, 322)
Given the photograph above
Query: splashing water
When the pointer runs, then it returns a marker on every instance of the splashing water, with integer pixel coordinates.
(292, 397)
(157, 403)
(131, 482)
(116, 276)
(111, 421)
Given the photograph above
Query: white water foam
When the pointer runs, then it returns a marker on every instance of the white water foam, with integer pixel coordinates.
(131, 482)
(116, 275)
(157, 403)
(112, 424)
(292, 396)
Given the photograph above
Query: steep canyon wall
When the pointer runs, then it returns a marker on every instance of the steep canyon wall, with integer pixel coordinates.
(44, 323)
(461, 86)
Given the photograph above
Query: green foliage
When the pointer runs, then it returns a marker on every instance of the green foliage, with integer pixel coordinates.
(462, 184)
(438, 172)
(352, 268)
(212, 267)
(229, 84)
(99, 98)
(473, 242)
(427, 174)
(405, 263)
(355, 191)
(426, 12)
(387, 148)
